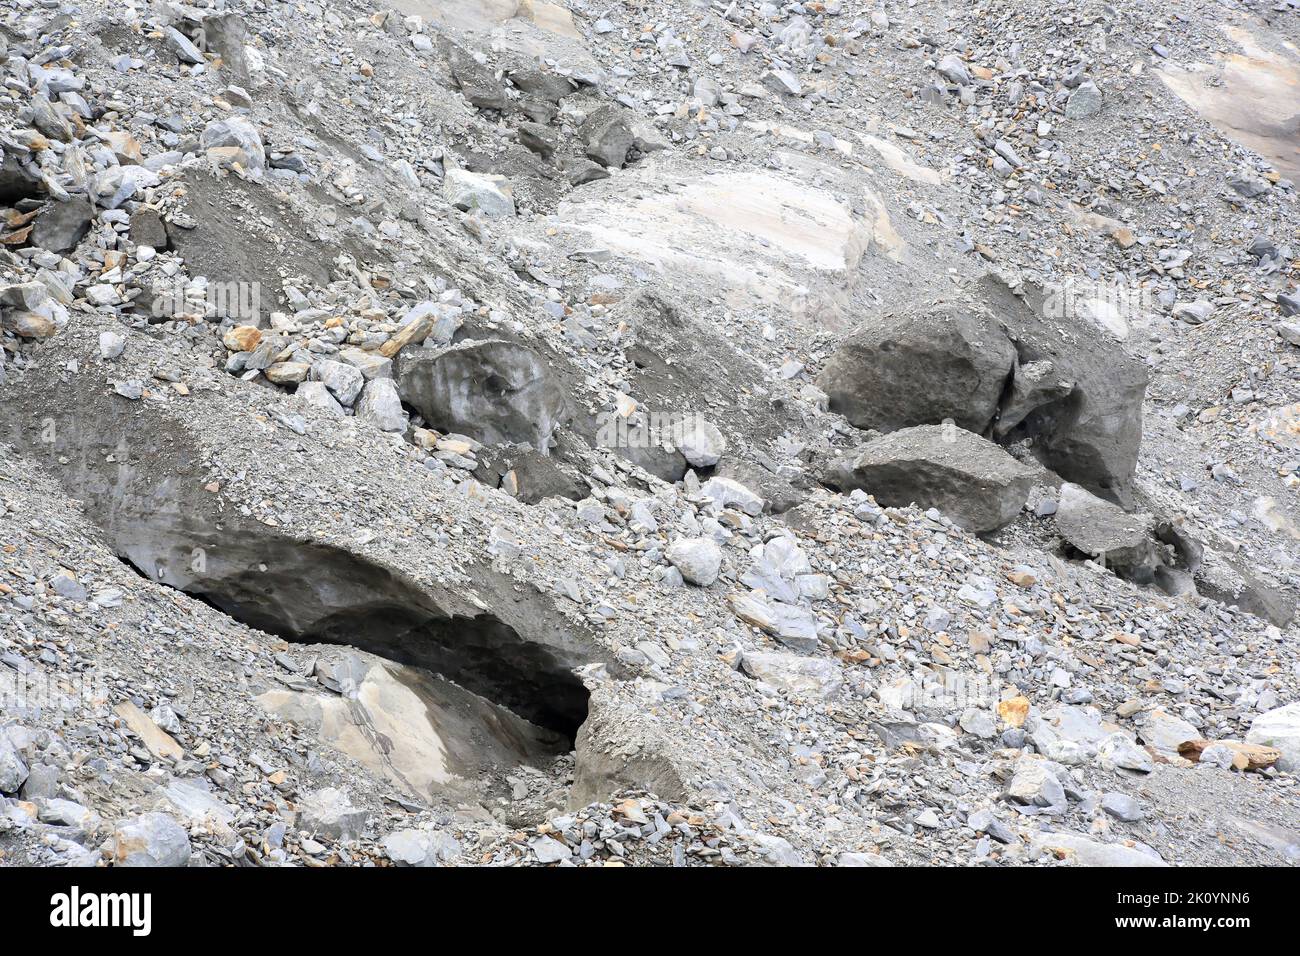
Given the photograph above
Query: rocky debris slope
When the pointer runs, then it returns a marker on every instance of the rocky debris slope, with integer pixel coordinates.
(462, 434)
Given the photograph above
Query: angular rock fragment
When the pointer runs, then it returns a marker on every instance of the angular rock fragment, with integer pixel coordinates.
(329, 813)
(1034, 783)
(371, 364)
(700, 441)
(582, 171)
(727, 493)
(27, 325)
(1119, 752)
(1091, 434)
(698, 559)
(618, 749)
(920, 368)
(781, 570)
(50, 120)
(67, 813)
(793, 626)
(182, 46)
(528, 475)
(148, 228)
(111, 345)
(607, 136)
(421, 847)
(151, 839)
(1230, 581)
(543, 84)
(242, 338)
(649, 448)
(1083, 850)
(380, 404)
(287, 373)
(540, 139)
(1123, 542)
(1033, 385)
(226, 35)
(782, 82)
(1241, 756)
(61, 225)
(13, 771)
(160, 743)
(971, 480)
(344, 381)
(476, 82)
(238, 133)
(1085, 101)
(478, 192)
(1280, 729)
(1164, 732)
(952, 69)
(318, 394)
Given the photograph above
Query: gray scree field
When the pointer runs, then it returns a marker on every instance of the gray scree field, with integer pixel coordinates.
(681, 433)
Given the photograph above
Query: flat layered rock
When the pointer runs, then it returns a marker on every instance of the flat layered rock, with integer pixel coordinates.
(971, 480)
(756, 232)
(1084, 850)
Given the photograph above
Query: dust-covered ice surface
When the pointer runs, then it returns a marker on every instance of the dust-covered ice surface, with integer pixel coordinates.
(449, 433)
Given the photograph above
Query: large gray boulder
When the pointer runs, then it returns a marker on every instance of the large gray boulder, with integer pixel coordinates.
(330, 813)
(1103, 531)
(421, 847)
(1024, 364)
(381, 405)
(970, 479)
(1083, 850)
(239, 132)
(343, 381)
(920, 368)
(1089, 434)
(817, 677)
(699, 441)
(494, 391)
(477, 83)
(478, 192)
(646, 447)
